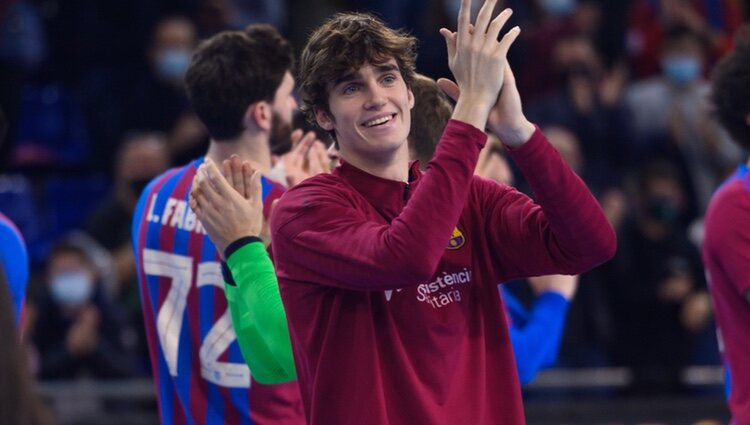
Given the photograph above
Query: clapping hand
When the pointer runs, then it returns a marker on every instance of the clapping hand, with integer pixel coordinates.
(229, 207)
(485, 88)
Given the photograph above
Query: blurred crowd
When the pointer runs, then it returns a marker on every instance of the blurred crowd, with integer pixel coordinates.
(92, 107)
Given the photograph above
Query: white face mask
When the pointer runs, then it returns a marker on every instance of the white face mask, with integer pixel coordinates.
(72, 288)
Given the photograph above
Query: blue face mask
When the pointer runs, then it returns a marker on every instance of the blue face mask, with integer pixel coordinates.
(173, 63)
(681, 69)
(72, 288)
(558, 7)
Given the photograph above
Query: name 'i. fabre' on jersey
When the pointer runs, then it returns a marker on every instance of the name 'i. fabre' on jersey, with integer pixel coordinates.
(176, 213)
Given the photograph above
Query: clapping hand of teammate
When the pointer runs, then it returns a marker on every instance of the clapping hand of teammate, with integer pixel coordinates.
(479, 64)
(229, 207)
(307, 158)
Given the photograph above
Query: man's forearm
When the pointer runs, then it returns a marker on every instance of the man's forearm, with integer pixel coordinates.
(257, 313)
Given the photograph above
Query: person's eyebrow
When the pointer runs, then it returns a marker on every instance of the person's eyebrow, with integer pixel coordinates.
(345, 78)
(353, 76)
(386, 67)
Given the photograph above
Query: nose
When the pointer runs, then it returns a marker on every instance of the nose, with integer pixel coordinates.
(376, 98)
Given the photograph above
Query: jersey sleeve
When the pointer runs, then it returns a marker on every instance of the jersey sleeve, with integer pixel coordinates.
(564, 231)
(14, 261)
(536, 342)
(728, 241)
(258, 315)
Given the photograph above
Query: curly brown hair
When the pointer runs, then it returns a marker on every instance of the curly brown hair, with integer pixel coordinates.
(346, 42)
(233, 70)
(731, 89)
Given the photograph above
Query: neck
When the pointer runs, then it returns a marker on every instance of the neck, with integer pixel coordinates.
(394, 166)
(251, 148)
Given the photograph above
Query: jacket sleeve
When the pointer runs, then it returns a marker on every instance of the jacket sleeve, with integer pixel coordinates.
(563, 232)
(320, 232)
(257, 314)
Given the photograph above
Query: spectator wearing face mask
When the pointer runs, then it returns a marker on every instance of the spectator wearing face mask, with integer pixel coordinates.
(649, 22)
(671, 115)
(77, 332)
(159, 102)
(658, 292)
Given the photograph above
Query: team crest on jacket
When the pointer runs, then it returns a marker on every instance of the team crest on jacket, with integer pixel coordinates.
(457, 239)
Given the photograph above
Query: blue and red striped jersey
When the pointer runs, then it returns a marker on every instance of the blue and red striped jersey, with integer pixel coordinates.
(200, 374)
(15, 263)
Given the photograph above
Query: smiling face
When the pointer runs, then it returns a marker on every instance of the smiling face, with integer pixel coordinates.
(370, 113)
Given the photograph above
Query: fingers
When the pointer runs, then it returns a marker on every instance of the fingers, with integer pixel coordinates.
(508, 40)
(483, 19)
(464, 20)
(298, 155)
(450, 41)
(256, 188)
(321, 156)
(296, 136)
(213, 187)
(237, 180)
(204, 209)
(497, 25)
(307, 142)
(449, 88)
(214, 178)
(194, 195)
(248, 174)
(226, 167)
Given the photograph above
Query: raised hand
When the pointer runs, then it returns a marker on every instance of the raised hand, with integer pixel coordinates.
(233, 172)
(486, 85)
(478, 60)
(307, 158)
(225, 213)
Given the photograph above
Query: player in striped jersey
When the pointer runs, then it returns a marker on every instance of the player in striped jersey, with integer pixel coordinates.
(14, 263)
(726, 247)
(240, 85)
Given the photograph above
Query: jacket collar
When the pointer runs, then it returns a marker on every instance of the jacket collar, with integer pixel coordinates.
(377, 190)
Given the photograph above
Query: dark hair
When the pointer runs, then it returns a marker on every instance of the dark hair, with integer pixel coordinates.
(19, 403)
(233, 70)
(67, 246)
(675, 34)
(345, 42)
(431, 113)
(731, 89)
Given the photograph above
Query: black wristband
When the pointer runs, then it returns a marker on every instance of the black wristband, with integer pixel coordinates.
(227, 274)
(239, 243)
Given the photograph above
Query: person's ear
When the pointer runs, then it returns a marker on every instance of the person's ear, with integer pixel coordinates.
(410, 95)
(259, 115)
(324, 119)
